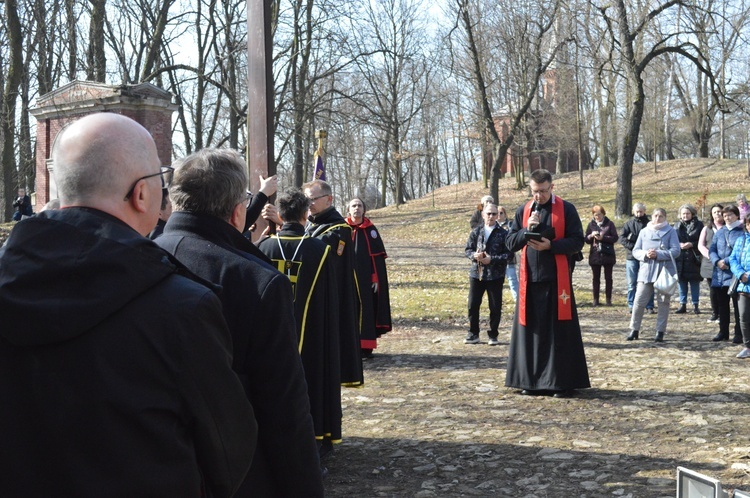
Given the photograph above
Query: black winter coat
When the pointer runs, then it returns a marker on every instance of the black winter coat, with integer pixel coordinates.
(609, 236)
(258, 306)
(689, 261)
(495, 248)
(115, 369)
(629, 233)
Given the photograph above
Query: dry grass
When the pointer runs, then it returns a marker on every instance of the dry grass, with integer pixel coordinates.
(430, 289)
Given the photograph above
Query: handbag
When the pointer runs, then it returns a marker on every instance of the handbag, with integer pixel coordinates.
(733, 284)
(666, 283)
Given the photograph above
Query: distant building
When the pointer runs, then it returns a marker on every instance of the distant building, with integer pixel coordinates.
(548, 141)
(147, 104)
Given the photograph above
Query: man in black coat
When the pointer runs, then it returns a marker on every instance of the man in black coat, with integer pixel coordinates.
(306, 262)
(204, 232)
(628, 236)
(115, 369)
(546, 353)
(327, 224)
(22, 205)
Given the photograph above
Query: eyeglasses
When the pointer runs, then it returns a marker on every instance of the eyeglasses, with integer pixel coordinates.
(313, 199)
(166, 174)
(491, 214)
(544, 191)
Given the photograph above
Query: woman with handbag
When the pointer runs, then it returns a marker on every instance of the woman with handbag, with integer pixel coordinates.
(739, 263)
(725, 239)
(601, 234)
(689, 261)
(656, 247)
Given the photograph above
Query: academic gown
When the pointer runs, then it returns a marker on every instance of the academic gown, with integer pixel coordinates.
(306, 261)
(547, 353)
(370, 268)
(330, 227)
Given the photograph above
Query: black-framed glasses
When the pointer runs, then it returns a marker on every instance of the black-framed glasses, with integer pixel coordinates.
(166, 174)
(313, 199)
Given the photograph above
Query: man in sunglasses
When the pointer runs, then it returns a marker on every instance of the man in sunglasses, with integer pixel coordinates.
(115, 369)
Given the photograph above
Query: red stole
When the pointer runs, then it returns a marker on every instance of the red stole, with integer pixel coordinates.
(564, 302)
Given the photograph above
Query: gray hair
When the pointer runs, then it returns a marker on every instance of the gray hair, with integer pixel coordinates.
(690, 208)
(325, 188)
(486, 199)
(639, 206)
(210, 181)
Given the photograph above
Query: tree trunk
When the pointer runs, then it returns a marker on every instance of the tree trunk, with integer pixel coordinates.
(8, 108)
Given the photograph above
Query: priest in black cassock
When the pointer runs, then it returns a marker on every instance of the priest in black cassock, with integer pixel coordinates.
(372, 277)
(327, 224)
(306, 262)
(546, 354)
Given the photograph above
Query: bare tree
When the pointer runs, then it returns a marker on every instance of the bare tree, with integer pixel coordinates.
(632, 34)
(526, 35)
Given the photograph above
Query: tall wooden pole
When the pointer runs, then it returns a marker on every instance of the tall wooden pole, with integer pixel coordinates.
(260, 155)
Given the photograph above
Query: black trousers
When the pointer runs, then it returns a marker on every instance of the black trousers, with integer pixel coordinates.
(723, 300)
(494, 289)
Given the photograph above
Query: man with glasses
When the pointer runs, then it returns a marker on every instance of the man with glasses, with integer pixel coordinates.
(488, 255)
(546, 354)
(115, 368)
(205, 233)
(327, 224)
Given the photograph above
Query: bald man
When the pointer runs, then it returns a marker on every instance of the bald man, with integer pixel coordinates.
(115, 369)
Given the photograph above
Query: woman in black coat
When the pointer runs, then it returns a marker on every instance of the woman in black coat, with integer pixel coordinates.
(689, 263)
(601, 234)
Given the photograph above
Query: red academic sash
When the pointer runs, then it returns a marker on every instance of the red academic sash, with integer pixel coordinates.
(564, 302)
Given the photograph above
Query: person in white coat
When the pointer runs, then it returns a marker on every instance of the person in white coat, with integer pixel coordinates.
(653, 247)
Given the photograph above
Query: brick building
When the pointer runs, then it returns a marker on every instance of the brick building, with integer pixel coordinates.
(147, 104)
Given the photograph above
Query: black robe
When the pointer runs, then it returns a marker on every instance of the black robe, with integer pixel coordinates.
(305, 261)
(369, 265)
(331, 228)
(547, 353)
(257, 304)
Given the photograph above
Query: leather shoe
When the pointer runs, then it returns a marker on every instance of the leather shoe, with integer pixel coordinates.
(720, 337)
(564, 394)
(527, 392)
(633, 336)
(659, 337)
(737, 339)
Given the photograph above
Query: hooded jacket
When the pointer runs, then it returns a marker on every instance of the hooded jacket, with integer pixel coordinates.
(115, 369)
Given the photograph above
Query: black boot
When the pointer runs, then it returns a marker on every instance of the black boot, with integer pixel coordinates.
(721, 337)
(659, 337)
(682, 309)
(696, 310)
(633, 335)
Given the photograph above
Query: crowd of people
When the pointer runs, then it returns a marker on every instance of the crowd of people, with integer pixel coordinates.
(150, 348)
(689, 251)
(145, 330)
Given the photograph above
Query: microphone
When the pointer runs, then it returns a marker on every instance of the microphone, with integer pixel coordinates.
(534, 210)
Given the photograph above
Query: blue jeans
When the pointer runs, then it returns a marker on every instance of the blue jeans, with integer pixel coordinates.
(695, 291)
(512, 277)
(631, 273)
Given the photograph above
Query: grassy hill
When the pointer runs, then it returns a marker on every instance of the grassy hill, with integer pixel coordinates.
(425, 237)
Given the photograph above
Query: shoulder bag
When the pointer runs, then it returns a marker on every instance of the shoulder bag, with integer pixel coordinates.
(666, 283)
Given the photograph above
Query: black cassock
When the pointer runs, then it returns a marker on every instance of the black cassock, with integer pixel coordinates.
(369, 263)
(546, 353)
(306, 261)
(330, 227)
